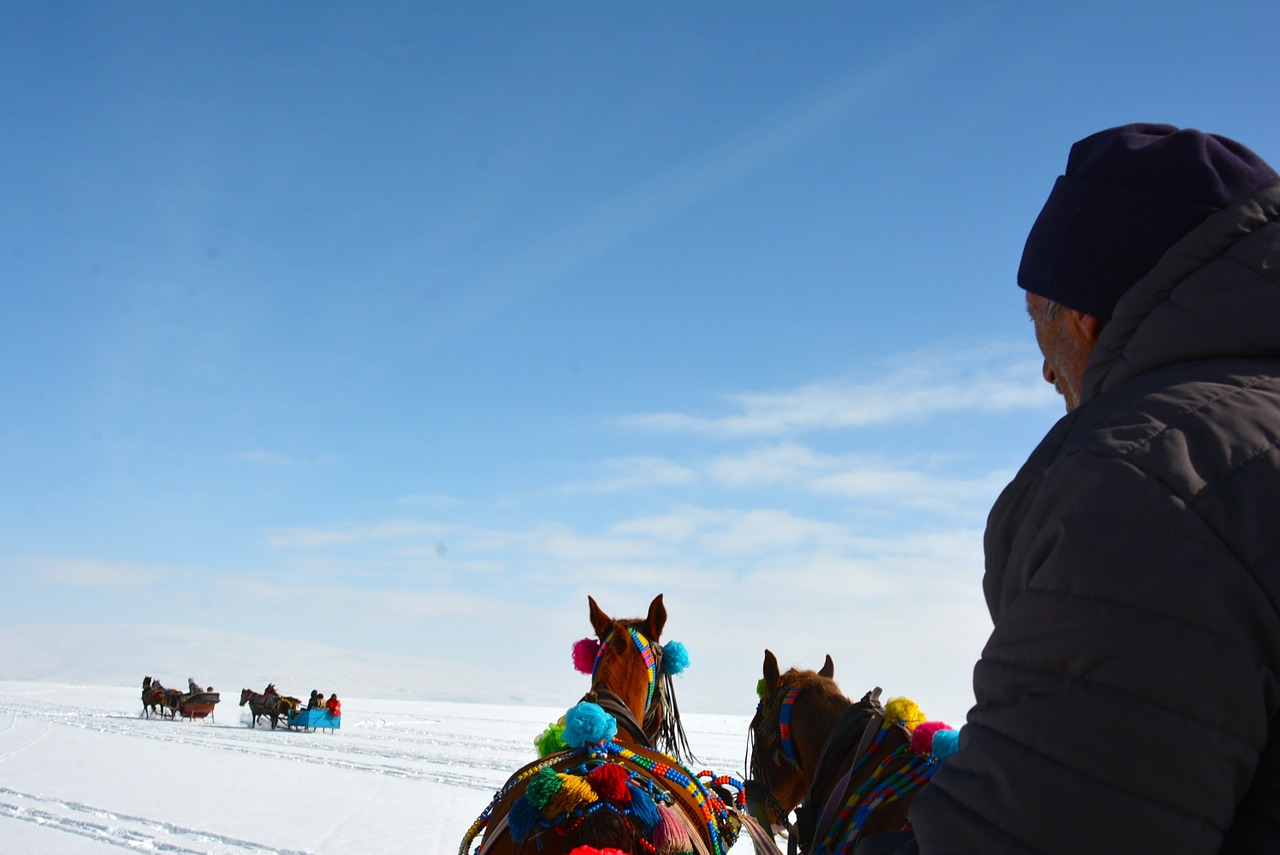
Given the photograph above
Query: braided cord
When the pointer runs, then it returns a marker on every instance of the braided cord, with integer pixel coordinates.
(515, 780)
(784, 722)
(878, 789)
(711, 807)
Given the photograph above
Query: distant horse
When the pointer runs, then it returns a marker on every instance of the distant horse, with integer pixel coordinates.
(607, 787)
(152, 697)
(261, 705)
(171, 703)
(846, 770)
(289, 706)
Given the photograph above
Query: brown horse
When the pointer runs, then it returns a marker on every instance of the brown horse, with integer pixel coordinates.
(610, 788)
(846, 771)
(152, 697)
(262, 705)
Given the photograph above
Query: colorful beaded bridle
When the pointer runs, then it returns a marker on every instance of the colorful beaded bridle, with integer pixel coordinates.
(650, 654)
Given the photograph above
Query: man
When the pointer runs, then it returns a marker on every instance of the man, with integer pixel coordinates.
(1128, 699)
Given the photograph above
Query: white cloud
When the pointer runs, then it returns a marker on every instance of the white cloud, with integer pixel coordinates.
(92, 572)
(630, 473)
(989, 378)
(354, 533)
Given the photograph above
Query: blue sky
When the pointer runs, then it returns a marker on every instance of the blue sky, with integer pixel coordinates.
(406, 326)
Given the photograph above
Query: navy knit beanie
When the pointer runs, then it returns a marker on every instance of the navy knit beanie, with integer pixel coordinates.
(1129, 193)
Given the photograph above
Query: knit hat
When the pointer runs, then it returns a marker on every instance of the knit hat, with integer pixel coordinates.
(1129, 193)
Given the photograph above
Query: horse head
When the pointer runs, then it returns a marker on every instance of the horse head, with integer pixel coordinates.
(245, 696)
(797, 711)
(625, 663)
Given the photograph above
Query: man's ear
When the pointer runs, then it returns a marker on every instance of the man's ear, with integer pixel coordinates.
(1085, 327)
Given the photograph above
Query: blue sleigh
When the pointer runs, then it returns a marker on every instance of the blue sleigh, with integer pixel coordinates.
(312, 719)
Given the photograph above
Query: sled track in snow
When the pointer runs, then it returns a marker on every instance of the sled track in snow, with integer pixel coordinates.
(122, 830)
(457, 761)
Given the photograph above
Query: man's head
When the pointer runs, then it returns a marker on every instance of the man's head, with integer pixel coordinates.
(1128, 195)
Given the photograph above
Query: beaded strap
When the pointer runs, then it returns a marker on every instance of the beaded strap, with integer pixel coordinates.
(512, 783)
(878, 789)
(645, 648)
(711, 807)
(784, 722)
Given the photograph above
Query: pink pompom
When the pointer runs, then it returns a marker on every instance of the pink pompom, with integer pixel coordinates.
(584, 655)
(922, 736)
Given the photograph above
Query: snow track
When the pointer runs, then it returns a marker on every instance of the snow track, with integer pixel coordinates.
(122, 830)
(82, 772)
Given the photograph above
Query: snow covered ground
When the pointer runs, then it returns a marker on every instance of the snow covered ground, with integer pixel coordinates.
(82, 772)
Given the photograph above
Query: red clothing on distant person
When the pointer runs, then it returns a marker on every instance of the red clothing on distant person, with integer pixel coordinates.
(334, 706)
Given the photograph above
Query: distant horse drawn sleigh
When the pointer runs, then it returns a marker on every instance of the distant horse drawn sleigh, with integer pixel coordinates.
(196, 703)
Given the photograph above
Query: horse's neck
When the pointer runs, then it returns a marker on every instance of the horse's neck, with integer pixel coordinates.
(630, 727)
(812, 726)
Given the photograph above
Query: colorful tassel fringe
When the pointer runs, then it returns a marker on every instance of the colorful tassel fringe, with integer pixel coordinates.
(670, 837)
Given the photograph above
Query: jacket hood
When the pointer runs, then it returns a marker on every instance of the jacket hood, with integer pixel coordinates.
(1214, 294)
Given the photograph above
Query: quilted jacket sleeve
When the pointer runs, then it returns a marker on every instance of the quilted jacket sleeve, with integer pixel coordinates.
(1125, 695)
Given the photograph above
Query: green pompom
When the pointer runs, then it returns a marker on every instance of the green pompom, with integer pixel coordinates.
(542, 787)
(550, 741)
(761, 689)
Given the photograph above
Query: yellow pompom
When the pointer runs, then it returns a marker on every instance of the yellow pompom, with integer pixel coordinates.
(574, 791)
(904, 711)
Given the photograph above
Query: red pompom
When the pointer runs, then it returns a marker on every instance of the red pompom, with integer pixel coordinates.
(584, 655)
(922, 736)
(610, 781)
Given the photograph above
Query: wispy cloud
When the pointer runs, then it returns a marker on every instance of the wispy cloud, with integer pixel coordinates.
(989, 378)
(631, 473)
(92, 572)
(871, 477)
(353, 533)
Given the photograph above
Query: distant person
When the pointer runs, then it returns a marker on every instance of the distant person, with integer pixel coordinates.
(334, 706)
(316, 701)
(193, 687)
(1128, 698)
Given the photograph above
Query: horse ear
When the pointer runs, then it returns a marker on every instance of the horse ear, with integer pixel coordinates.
(771, 673)
(600, 621)
(656, 620)
(828, 669)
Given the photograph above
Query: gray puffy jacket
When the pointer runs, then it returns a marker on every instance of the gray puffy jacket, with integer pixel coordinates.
(1128, 698)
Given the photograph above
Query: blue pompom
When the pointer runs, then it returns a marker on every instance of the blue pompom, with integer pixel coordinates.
(587, 724)
(945, 743)
(643, 810)
(522, 819)
(674, 657)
